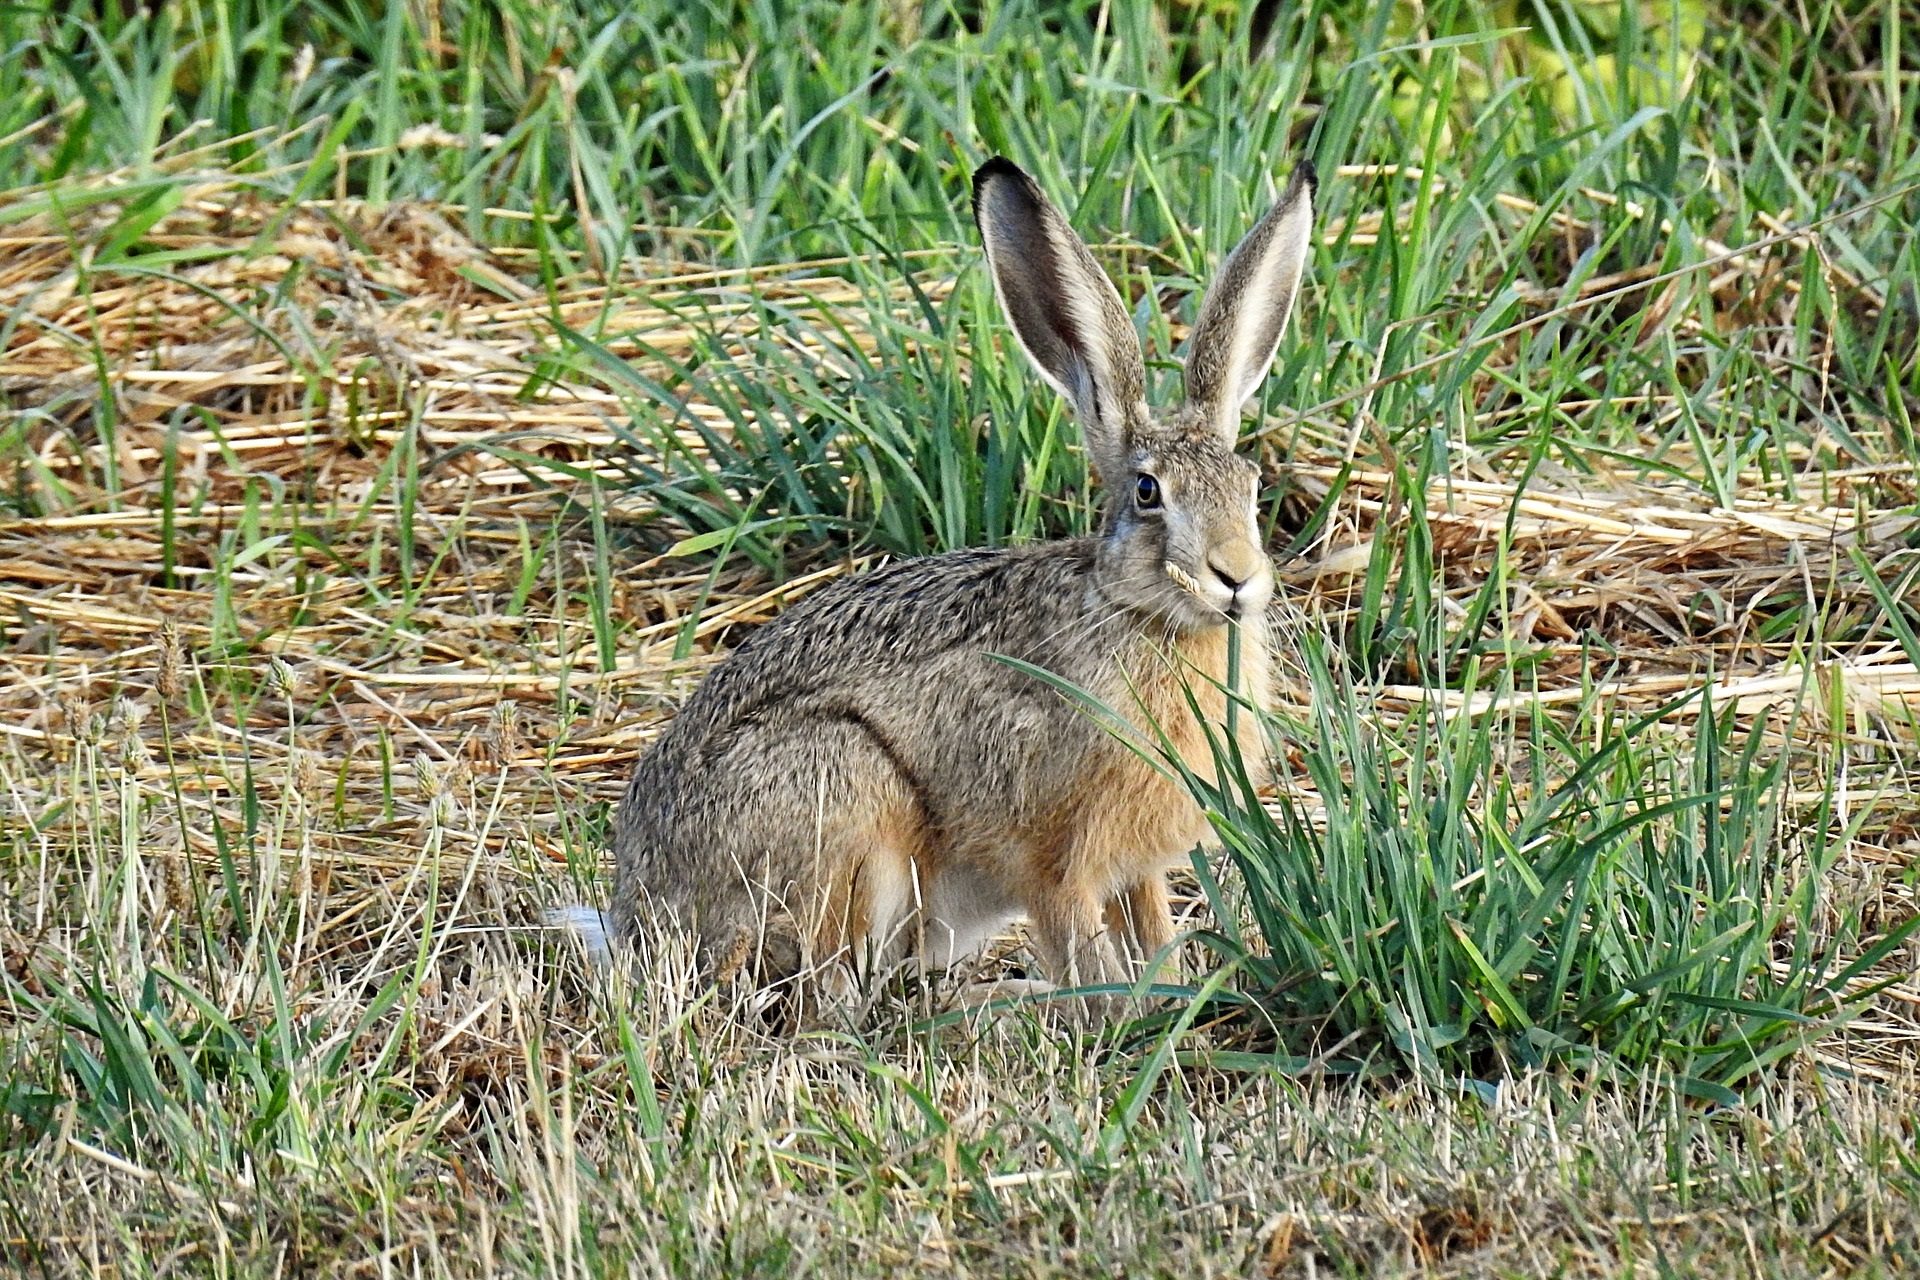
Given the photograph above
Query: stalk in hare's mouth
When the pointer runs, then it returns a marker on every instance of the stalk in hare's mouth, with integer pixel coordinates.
(1191, 585)
(1183, 580)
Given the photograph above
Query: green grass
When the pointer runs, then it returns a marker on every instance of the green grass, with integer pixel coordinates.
(858, 138)
(1473, 895)
(1540, 955)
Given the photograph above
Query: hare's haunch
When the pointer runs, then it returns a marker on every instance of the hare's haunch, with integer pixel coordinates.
(863, 782)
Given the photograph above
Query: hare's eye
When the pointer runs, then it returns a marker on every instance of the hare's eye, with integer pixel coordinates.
(1147, 493)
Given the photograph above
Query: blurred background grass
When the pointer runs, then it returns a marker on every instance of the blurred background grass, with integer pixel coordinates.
(1518, 152)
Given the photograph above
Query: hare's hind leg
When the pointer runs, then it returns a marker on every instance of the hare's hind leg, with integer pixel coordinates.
(841, 833)
(863, 913)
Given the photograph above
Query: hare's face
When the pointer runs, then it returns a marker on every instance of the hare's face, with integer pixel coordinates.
(1183, 530)
(1182, 534)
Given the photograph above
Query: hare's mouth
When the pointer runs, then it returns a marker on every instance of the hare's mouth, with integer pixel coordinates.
(1238, 603)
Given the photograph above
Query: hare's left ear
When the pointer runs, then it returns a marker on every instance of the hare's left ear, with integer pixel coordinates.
(1244, 312)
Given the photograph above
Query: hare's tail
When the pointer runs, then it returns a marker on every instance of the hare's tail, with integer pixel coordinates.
(589, 924)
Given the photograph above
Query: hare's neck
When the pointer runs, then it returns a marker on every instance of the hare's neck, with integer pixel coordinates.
(1166, 680)
(1210, 651)
(1165, 673)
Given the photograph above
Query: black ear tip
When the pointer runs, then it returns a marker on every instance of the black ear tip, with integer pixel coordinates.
(1002, 169)
(998, 167)
(1305, 175)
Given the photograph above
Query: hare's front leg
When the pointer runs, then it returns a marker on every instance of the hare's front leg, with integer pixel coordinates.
(1140, 917)
(1076, 948)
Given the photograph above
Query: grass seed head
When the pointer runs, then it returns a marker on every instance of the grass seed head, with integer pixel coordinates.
(309, 773)
(134, 755)
(128, 713)
(178, 889)
(501, 742)
(78, 720)
(431, 779)
(170, 678)
(281, 676)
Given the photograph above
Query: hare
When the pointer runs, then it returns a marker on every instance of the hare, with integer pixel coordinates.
(863, 783)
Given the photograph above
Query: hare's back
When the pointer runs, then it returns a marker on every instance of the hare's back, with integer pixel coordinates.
(913, 636)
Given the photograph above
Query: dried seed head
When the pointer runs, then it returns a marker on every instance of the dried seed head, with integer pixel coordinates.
(125, 720)
(173, 870)
(128, 713)
(503, 733)
(281, 677)
(308, 775)
(79, 721)
(1184, 580)
(134, 755)
(171, 677)
(432, 782)
(426, 777)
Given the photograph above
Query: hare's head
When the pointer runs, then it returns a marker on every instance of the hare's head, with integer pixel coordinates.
(1181, 528)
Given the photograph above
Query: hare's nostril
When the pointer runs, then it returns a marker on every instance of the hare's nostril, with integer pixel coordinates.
(1235, 567)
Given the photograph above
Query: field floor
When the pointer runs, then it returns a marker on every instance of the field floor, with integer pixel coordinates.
(303, 724)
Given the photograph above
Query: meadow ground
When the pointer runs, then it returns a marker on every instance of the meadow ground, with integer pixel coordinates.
(406, 405)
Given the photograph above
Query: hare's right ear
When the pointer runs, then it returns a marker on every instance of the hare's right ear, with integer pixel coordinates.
(1063, 309)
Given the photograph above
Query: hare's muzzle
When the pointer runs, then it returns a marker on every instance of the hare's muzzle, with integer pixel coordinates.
(1242, 573)
(1237, 580)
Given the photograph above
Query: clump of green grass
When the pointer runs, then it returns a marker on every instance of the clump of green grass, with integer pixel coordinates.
(1471, 894)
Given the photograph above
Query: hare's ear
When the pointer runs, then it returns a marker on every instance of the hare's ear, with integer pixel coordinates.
(1240, 321)
(1063, 309)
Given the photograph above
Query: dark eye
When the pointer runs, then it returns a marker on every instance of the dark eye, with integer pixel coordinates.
(1147, 493)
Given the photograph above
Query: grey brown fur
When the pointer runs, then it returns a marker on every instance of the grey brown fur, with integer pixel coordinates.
(862, 783)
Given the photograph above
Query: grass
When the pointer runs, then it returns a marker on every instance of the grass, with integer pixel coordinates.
(457, 383)
(1478, 895)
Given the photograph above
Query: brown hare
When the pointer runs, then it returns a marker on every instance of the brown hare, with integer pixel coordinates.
(863, 783)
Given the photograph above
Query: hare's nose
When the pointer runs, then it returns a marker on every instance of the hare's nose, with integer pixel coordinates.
(1235, 565)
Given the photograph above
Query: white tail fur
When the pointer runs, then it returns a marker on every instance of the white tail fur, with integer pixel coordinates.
(589, 925)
